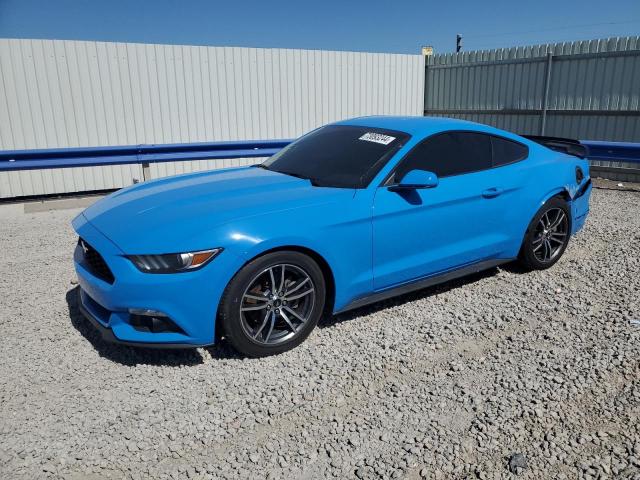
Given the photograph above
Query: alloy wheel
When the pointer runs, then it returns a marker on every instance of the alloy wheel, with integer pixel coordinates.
(277, 303)
(551, 235)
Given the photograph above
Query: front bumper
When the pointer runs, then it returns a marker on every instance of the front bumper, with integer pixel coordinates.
(107, 333)
(189, 299)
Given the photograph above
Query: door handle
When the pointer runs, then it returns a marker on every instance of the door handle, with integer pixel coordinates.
(492, 192)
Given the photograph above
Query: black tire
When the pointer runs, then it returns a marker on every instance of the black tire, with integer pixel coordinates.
(292, 271)
(539, 240)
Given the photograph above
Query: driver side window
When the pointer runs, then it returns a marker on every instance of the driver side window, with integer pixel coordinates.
(447, 154)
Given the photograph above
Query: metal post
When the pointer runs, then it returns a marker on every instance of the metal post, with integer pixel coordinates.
(146, 172)
(425, 86)
(545, 95)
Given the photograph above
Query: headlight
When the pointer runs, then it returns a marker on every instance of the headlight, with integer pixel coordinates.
(173, 262)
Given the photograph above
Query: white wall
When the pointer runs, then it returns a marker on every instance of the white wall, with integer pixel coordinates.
(71, 93)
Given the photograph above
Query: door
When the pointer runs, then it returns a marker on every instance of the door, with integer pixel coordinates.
(423, 232)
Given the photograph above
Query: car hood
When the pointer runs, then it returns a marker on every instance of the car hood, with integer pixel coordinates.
(179, 213)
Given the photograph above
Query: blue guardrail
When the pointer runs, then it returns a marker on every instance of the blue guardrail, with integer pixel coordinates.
(612, 151)
(94, 156)
(11, 160)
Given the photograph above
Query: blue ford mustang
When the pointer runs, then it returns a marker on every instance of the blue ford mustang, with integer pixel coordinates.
(351, 213)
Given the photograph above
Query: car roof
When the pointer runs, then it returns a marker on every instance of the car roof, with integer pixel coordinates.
(423, 126)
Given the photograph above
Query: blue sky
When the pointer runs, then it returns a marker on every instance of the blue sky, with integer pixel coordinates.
(375, 26)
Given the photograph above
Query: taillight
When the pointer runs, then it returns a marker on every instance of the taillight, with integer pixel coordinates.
(579, 175)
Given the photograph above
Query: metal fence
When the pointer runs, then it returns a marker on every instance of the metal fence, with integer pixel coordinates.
(57, 94)
(588, 89)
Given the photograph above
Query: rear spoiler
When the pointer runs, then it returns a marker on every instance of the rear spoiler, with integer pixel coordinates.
(564, 145)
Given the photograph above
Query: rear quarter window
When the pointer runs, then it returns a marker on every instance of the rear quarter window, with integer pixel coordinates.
(506, 151)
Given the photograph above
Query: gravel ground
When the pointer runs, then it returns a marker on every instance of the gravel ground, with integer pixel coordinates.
(449, 382)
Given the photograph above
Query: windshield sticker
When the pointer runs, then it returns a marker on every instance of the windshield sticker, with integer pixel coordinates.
(377, 138)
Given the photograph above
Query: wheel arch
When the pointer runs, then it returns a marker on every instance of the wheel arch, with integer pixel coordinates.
(526, 257)
(562, 192)
(327, 273)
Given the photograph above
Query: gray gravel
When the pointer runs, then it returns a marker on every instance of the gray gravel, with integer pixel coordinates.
(450, 382)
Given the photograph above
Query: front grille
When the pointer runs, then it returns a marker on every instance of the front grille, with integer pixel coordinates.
(95, 263)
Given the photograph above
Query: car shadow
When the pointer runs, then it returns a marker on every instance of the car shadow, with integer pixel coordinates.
(412, 197)
(132, 356)
(515, 268)
(330, 321)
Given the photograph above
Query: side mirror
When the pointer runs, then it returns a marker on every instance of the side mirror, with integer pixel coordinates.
(415, 179)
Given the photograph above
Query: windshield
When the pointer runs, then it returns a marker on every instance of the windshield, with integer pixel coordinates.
(342, 156)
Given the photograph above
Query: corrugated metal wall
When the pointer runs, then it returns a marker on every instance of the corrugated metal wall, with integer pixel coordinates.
(593, 88)
(72, 93)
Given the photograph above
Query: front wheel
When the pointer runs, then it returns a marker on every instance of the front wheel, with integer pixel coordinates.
(273, 303)
(547, 236)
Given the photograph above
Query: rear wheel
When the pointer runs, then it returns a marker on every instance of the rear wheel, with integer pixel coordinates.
(547, 236)
(273, 303)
